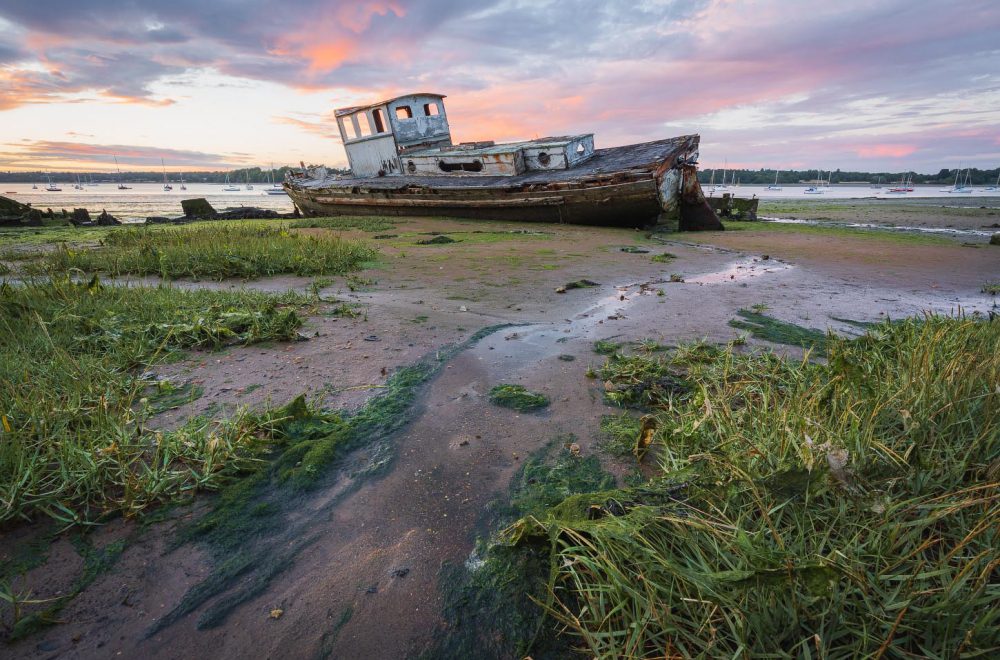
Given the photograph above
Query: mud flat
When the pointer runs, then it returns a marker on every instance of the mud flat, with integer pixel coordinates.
(980, 215)
(362, 557)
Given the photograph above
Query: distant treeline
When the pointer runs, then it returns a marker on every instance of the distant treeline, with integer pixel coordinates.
(253, 174)
(766, 177)
(749, 177)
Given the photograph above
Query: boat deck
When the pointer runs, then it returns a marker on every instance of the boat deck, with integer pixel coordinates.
(637, 159)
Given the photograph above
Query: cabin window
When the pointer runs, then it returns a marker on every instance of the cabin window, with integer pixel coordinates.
(379, 123)
(544, 158)
(348, 128)
(365, 124)
(580, 148)
(467, 166)
(430, 109)
(411, 167)
(404, 112)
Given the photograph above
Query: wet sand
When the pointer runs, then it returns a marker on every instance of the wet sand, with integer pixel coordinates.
(460, 451)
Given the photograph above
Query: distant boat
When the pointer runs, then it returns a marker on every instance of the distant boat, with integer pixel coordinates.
(723, 186)
(904, 186)
(166, 184)
(964, 188)
(817, 189)
(228, 187)
(78, 185)
(775, 186)
(183, 187)
(34, 186)
(877, 186)
(52, 187)
(90, 181)
(121, 184)
(995, 187)
(275, 188)
(249, 185)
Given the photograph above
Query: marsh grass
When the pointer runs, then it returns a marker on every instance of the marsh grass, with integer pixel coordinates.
(247, 251)
(845, 509)
(885, 235)
(992, 288)
(364, 223)
(74, 441)
(776, 331)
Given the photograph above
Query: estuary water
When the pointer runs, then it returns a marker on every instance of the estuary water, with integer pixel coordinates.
(143, 200)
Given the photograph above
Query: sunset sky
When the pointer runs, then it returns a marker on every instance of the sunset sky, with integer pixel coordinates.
(208, 84)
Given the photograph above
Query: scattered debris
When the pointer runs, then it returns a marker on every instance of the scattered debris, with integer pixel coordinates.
(567, 358)
(403, 572)
(276, 613)
(645, 438)
(632, 249)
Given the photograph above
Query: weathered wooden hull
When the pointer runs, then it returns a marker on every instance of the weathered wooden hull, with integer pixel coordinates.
(631, 186)
(630, 204)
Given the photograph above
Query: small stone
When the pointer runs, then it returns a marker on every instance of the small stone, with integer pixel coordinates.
(276, 613)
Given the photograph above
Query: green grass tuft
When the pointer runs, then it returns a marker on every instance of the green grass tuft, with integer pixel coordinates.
(517, 397)
(845, 509)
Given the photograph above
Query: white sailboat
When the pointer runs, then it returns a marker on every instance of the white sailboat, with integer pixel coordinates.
(228, 187)
(964, 188)
(166, 184)
(183, 187)
(775, 185)
(723, 186)
(995, 187)
(52, 187)
(817, 189)
(121, 184)
(249, 185)
(275, 188)
(878, 185)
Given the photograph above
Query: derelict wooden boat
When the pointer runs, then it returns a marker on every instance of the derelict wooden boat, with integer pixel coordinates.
(403, 163)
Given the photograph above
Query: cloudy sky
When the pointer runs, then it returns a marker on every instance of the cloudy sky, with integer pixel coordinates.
(206, 84)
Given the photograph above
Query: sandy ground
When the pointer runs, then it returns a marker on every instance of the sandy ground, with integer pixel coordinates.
(460, 451)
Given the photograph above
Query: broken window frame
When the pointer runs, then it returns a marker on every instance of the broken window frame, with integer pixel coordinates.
(407, 112)
(378, 123)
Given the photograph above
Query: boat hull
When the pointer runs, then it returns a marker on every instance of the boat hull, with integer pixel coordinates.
(632, 186)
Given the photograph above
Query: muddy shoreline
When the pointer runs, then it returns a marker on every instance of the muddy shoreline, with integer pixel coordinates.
(366, 582)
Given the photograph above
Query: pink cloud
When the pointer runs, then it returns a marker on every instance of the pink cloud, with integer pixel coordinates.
(886, 150)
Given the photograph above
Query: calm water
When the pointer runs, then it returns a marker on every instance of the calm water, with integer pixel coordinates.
(143, 200)
(860, 192)
(146, 199)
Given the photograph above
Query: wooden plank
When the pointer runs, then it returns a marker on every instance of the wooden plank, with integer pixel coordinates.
(440, 202)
